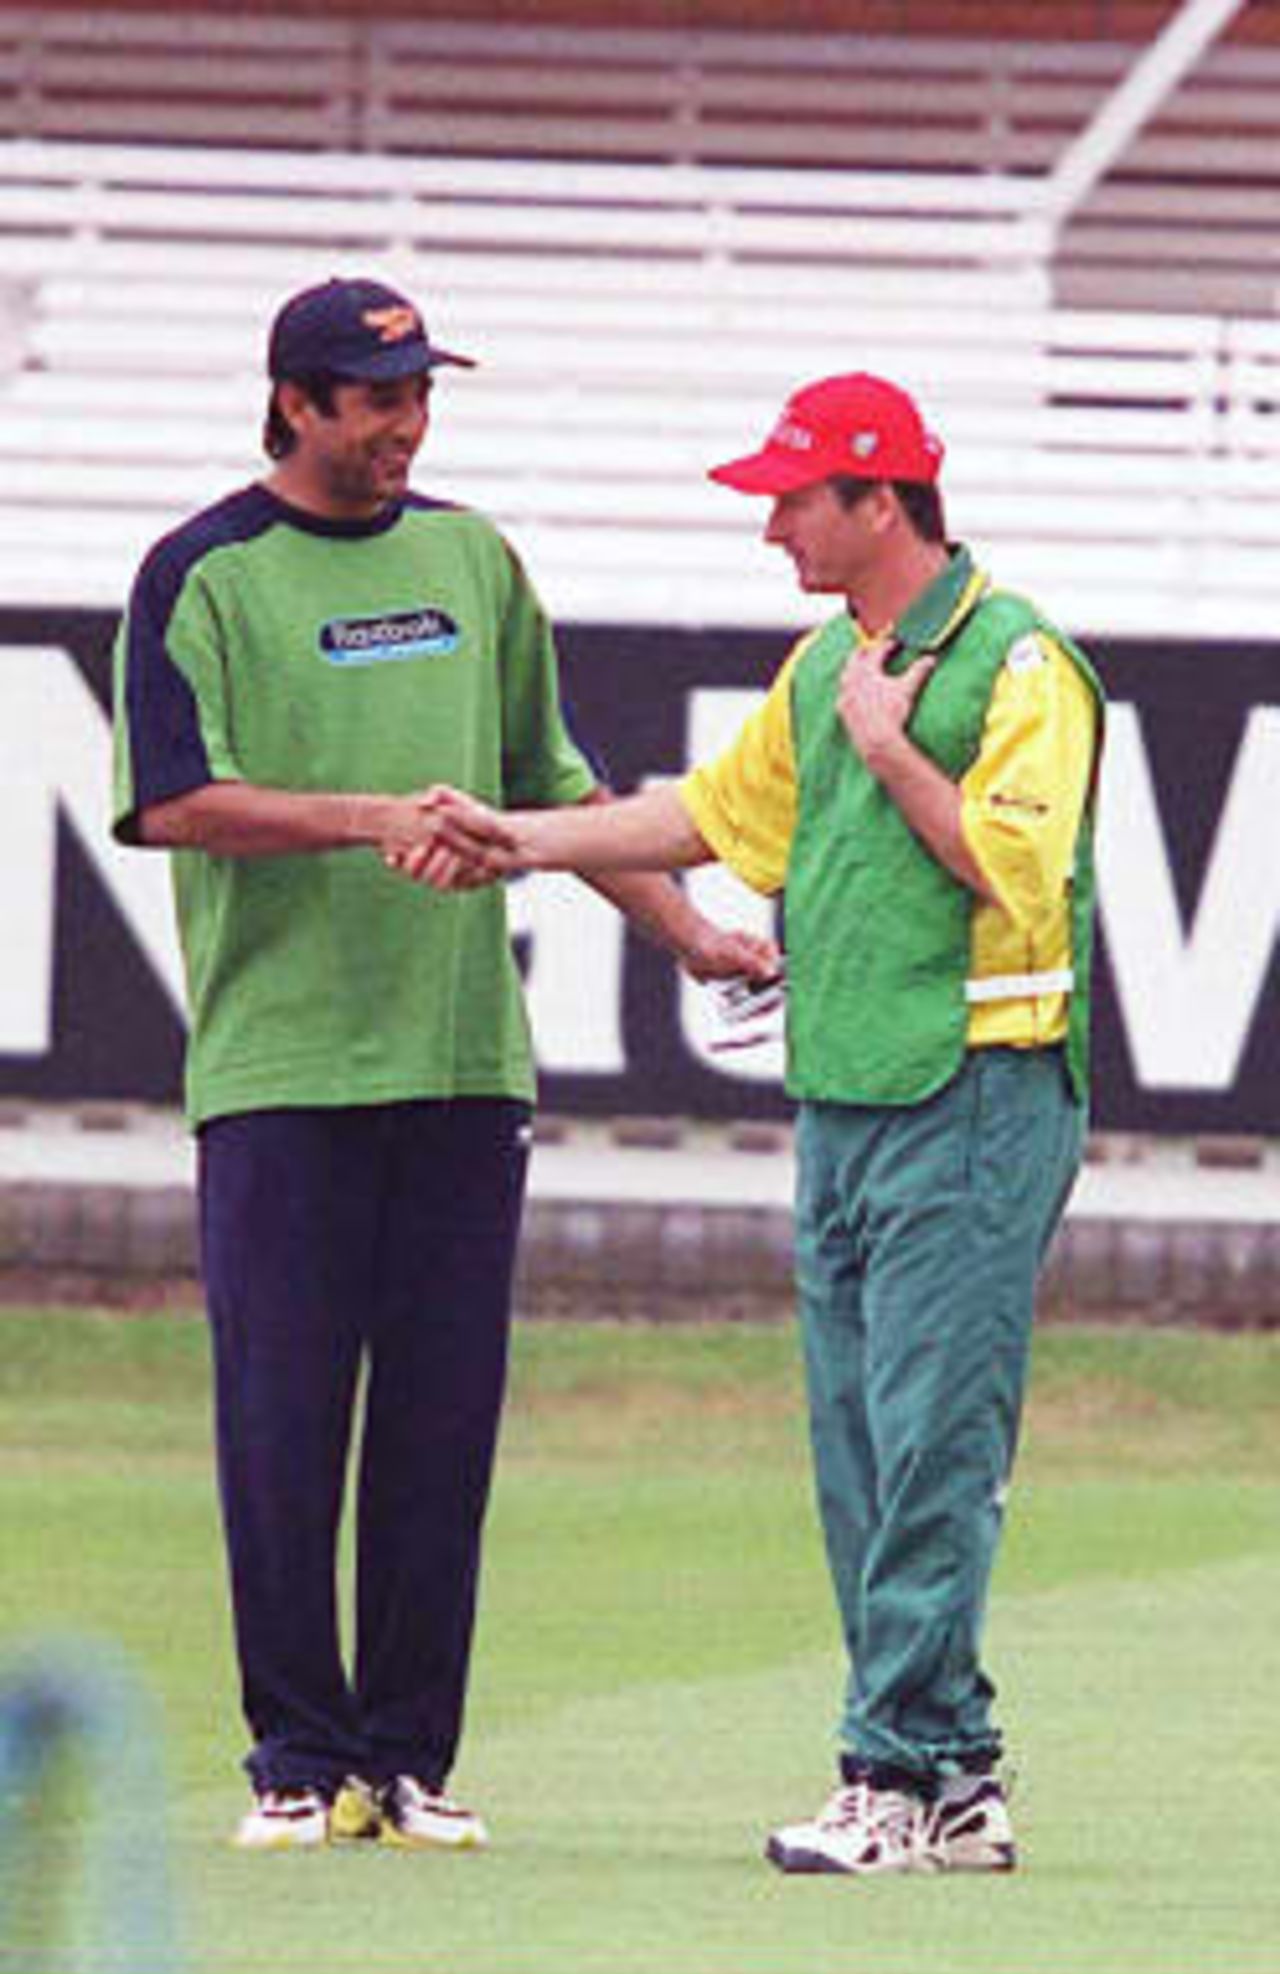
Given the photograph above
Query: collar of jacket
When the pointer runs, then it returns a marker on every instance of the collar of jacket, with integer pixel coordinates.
(935, 616)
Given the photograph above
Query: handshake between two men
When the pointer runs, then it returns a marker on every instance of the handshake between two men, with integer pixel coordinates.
(455, 843)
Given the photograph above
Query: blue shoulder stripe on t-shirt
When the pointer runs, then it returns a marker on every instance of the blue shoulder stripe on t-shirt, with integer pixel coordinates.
(166, 746)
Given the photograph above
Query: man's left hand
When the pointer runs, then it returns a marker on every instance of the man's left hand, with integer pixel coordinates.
(712, 952)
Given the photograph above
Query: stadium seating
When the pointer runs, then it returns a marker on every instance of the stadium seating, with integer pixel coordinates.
(1187, 220)
(635, 319)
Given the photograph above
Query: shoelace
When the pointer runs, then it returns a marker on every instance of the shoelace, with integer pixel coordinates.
(889, 1813)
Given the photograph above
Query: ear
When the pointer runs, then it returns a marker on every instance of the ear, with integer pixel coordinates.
(293, 403)
(885, 509)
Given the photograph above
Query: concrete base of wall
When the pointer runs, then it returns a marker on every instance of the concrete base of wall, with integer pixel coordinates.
(647, 1259)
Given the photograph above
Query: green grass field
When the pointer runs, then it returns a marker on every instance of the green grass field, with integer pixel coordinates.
(658, 1670)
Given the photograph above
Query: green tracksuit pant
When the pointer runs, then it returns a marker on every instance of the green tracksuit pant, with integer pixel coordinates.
(919, 1235)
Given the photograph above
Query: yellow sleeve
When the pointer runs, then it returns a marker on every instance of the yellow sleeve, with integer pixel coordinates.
(743, 803)
(1023, 798)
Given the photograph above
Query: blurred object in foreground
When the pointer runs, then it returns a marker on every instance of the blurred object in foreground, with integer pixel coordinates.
(84, 1862)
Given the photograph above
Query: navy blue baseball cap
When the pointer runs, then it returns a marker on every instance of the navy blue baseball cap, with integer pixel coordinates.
(361, 330)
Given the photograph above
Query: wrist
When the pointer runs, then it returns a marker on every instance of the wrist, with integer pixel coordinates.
(530, 845)
(687, 931)
(363, 820)
(887, 756)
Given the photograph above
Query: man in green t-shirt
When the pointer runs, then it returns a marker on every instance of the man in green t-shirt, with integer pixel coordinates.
(295, 662)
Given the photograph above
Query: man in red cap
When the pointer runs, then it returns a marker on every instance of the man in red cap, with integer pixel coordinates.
(917, 784)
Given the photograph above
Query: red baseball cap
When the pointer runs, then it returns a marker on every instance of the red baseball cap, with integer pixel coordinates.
(858, 425)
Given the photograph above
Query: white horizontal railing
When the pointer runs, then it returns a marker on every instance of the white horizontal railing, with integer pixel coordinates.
(633, 326)
(117, 193)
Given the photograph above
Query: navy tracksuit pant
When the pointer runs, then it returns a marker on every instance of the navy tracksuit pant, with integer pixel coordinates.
(358, 1251)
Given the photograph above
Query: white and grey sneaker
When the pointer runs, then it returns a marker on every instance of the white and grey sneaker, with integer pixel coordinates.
(862, 1829)
(419, 1818)
(967, 1826)
(284, 1820)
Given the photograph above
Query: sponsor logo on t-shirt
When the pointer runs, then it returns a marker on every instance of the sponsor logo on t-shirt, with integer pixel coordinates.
(423, 633)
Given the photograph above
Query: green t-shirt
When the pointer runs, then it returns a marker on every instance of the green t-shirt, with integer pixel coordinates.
(265, 645)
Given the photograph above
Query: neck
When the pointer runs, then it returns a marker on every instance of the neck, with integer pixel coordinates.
(893, 588)
(290, 482)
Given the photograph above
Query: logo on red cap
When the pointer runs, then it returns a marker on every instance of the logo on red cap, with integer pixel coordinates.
(787, 432)
(858, 425)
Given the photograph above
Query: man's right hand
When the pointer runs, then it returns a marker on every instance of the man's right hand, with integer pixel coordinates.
(457, 844)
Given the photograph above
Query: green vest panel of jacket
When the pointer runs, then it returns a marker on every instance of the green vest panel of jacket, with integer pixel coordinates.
(878, 932)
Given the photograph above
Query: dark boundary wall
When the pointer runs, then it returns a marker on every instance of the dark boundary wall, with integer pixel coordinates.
(115, 1035)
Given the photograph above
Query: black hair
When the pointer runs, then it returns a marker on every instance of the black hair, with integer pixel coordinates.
(278, 435)
(920, 500)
